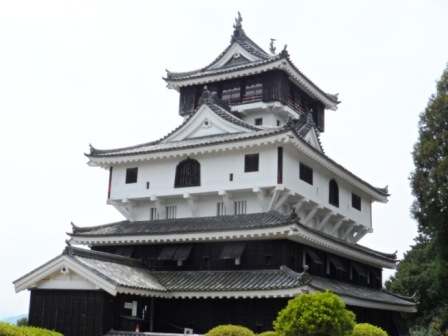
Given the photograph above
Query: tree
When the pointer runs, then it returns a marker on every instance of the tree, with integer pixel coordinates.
(230, 330)
(424, 269)
(320, 314)
(366, 329)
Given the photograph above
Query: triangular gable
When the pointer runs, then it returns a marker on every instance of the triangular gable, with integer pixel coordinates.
(206, 122)
(235, 53)
(313, 139)
(64, 272)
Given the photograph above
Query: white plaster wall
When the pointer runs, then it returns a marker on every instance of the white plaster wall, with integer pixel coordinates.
(215, 170)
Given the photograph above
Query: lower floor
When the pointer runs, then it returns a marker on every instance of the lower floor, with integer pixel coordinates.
(78, 312)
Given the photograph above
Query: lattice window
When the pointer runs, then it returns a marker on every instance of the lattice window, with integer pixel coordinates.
(188, 174)
(240, 207)
(153, 214)
(221, 209)
(171, 212)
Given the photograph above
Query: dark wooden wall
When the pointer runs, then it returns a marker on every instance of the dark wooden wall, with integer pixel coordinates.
(72, 312)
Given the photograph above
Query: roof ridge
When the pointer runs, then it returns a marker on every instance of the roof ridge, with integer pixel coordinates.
(105, 256)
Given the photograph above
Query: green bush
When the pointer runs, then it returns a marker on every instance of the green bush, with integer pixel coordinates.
(229, 330)
(22, 322)
(320, 314)
(366, 329)
(268, 333)
(7, 329)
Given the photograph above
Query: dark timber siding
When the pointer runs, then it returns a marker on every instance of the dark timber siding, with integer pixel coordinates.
(72, 312)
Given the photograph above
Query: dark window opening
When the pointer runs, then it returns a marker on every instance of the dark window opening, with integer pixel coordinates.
(279, 165)
(188, 174)
(306, 173)
(258, 121)
(109, 190)
(333, 198)
(230, 177)
(147, 185)
(131, 175)
(356, 202)
(251, 163)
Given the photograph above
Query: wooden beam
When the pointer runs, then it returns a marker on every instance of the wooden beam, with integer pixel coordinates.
(325, 220)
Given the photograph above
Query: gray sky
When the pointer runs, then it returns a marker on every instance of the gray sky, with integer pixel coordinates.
(80, 72)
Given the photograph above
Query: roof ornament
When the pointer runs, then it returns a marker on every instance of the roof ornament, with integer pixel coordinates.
(284, 52)
(271, 46)
(207, 96)
(237, 25)
(305, 277)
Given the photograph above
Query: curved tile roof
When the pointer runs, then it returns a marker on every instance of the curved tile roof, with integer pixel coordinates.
(211, 224)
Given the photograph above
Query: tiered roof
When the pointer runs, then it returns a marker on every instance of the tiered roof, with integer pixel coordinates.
(125, 275)
(244, 57)
(222, 228)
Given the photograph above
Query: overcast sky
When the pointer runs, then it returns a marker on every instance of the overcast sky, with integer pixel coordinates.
(79, 72)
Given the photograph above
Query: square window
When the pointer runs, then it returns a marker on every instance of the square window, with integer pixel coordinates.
(306, 173)
(251, 163)
(356, 202)
(258, 121)
(240, 207)
(131, 175)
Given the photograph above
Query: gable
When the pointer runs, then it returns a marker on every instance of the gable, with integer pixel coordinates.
(312, 138)
(205, 122)
(235, 54)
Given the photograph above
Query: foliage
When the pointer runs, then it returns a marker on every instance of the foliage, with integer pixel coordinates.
(7, 329)
(366, 329)
(230, 330)
(320, 314)
(22, 322)
(424, 268)
(424, 331)
(268, 333)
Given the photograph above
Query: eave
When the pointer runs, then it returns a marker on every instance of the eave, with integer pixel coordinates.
(276, 63)
(232, 142)
(289, 231)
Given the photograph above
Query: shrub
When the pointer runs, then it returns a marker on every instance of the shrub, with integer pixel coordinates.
(366, 329)
(320, 314)
(229, 330)
(11, 330)
(22, 322)
(268, 333)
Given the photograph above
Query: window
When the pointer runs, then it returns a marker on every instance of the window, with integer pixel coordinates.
(188, 174)
(253, 90)
(131, 175)
(356, 202)
(231, 93)
(178, 253)
(258, 121)
(251, 163)
(240, 207)
(279, 165)
(233, 251)
(333, 198)
(230, 177)
(153, 214)
(171, 211)
(221, 209)
(306, 173)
